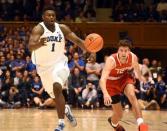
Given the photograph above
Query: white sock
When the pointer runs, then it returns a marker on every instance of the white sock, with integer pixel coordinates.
(114, 125)
(61, 121)
(139, 121)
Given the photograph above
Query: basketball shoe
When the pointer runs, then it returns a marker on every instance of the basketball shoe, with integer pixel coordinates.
(118, 128)
(70, 116)
(60, 127)
(143, 127)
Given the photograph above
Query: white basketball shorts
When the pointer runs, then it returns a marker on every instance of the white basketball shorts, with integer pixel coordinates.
(58, 72)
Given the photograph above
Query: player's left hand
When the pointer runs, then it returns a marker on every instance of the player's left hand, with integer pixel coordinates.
(107, 100)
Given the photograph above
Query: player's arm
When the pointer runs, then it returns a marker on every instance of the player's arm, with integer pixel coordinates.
(109, 65)
(136, 67)
(71, 36)
(35, 42)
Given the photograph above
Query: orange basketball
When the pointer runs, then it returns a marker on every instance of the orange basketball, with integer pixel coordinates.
(93, 42)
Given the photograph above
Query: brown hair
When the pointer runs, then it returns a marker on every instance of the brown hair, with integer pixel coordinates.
(125, 43)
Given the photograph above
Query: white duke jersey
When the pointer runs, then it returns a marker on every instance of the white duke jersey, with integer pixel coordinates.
(54, 49)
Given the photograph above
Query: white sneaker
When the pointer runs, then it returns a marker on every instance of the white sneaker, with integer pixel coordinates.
(60, 127)
(70, 116)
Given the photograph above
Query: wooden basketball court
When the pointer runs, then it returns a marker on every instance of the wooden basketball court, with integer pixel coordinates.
(88, 120)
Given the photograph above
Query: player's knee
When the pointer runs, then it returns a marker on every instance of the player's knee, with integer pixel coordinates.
(132, 97)
(57, 88)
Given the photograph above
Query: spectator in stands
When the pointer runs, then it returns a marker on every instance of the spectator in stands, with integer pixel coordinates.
(159, 67)
(10, 98)
(161, 91)
(7, 81)
(89, 96)
(144, 67)
(33, 74)
(24, 88)
(29, 65)
(18, 63)
(154, 70)
(3, 63)
(18, 78)
(93, 70)
(76, 62)
(162, 9)
(77, 82)
(40, 96)
(147, 88)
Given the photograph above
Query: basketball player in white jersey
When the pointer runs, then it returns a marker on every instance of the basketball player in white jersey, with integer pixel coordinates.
(47, 43)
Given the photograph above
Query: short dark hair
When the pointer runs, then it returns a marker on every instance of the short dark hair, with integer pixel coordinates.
(125, 43)
(48, 7)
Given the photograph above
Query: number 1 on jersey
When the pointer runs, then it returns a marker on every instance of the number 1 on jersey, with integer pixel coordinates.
(53, 47)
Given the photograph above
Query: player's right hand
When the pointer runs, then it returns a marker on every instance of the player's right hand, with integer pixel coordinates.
(107, 99)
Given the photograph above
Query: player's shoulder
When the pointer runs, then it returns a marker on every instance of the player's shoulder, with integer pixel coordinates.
(65, 29)
(111, 58)
(63, 26)
(38, 29)
(110, 62)
(133, 55)
(114, 55)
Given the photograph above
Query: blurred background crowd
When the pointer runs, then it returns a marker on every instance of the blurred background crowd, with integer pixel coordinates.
(20, 84)
(85, 10)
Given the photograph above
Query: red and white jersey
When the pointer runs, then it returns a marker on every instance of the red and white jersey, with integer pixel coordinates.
(120, 69)
(54, 49)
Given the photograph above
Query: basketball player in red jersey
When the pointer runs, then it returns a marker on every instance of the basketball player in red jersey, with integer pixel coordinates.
(117, 77)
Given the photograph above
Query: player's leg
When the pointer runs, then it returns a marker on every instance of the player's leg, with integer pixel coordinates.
(54, 89)
(60, 76)
(117, 113)
(130, 93)
(60, 104)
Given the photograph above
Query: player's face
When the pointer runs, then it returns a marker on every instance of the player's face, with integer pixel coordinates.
(123, 52)
(49, 17)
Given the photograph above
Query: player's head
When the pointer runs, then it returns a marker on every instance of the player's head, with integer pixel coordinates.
(49, 15)
(124, 47)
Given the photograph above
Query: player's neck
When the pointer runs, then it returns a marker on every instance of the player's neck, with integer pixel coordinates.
(122, 60)
(50, 27)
